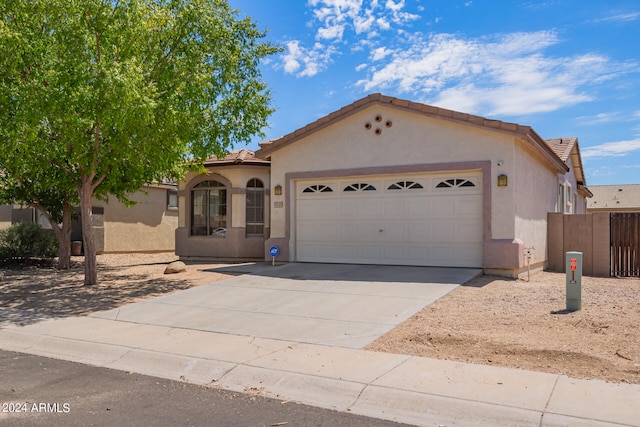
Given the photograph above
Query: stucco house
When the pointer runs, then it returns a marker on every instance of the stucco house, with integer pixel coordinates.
(389, 181)
(148, 226)
(224, 213)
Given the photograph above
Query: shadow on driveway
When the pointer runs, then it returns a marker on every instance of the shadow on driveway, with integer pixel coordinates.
(354, 272)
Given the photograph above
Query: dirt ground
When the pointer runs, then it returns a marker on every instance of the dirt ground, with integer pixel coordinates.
(490, 320)
(520, 324)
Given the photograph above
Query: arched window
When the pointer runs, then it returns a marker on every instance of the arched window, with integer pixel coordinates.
(209, 209)
(255, 208)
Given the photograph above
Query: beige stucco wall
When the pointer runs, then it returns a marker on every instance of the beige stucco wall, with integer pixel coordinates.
(235, 244)
(148, 226)
(5, 216)
(412, 139)
(535, 198)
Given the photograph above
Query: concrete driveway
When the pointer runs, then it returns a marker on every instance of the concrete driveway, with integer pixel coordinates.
(330, 304)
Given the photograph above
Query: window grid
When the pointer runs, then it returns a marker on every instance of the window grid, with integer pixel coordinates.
(255, 208)
(209, 209)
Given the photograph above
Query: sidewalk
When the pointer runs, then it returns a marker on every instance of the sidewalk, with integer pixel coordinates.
(402, 388)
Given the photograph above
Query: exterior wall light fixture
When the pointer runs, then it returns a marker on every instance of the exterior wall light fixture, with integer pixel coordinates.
(278, 190)
(502, 180)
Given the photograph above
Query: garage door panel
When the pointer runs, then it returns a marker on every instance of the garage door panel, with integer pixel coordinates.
(318, 231)
(442, 231)
(469, 206)
(443, 207)
(312, 210)
(421, 225)
(349, 209)
(394, 208)
(418, 207)
(392, 232)
(371, 208)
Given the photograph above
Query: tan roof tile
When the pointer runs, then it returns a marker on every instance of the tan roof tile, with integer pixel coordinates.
(242, 156)
(613, 197)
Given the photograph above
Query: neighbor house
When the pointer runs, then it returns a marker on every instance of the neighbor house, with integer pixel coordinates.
(389, 181)
(615, 198)
(147, 226)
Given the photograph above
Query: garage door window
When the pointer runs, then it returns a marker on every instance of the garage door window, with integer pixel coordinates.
(457, 182)
(318, 189)
(405, 185)
(359, 187)
(209, 209)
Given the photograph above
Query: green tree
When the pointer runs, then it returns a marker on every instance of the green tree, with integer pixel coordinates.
(127, 92)
(40, 183)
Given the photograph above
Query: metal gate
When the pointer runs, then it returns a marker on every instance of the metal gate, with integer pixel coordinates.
(625, 244)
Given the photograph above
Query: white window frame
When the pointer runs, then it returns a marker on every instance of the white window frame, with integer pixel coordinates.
(172, 200)
(561, 193)
(568, 204)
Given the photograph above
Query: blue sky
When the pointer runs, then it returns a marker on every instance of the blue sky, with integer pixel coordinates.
(564, 67)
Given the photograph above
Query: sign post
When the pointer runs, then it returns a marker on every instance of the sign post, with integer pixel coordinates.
(573, 268)
(274, 251)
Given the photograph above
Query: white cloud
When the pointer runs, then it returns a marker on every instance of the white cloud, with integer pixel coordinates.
(502, 75)
(291, 59)
(621, 17)
(306, 62)
(380, 53)
(610, 117)
(332, 22)
(612, 149)
(602, 118)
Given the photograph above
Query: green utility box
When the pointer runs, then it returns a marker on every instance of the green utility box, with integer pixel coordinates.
(573, 267)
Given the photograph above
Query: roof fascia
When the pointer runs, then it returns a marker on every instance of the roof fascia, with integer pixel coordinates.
(525, 132)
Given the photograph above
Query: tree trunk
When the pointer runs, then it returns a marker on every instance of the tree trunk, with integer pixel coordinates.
(88, 240)
(62, 233)
(64, 241)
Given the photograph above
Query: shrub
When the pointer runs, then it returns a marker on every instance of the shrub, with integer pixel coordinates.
(26, 241)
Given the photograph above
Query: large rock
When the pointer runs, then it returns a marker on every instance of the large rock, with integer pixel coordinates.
(175, 267)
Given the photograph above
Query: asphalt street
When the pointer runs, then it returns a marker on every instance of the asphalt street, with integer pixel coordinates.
(38, 391)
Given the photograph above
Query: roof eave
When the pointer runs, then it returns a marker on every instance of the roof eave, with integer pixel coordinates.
(269, 147)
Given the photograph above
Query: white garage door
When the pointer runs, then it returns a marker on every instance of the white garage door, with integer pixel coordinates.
(428, 219)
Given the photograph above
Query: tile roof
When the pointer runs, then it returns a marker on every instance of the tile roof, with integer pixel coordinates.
(525, 132)
(569, 147)
(612, 197)
(562, 146)
(242, 156)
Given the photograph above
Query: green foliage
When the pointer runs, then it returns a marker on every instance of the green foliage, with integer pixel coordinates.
(99, 98)
(124, 92)
(25, 241)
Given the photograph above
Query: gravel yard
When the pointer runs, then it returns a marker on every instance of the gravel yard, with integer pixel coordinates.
(519, 324)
